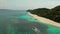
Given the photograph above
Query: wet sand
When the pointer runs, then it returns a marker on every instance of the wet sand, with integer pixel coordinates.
(45, 20)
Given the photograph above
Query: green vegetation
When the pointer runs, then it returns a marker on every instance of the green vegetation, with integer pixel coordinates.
(53, 14)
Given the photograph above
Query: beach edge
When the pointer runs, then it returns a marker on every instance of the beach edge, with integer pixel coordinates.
(44, 20)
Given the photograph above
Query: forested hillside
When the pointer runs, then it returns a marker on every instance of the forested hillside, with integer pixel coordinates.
(53, 13)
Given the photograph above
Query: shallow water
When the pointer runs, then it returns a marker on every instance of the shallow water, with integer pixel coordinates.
(19, 22)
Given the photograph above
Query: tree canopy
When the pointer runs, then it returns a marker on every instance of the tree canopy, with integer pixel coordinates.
(53, 13)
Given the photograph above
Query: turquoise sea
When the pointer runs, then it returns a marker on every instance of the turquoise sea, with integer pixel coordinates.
(19, 22)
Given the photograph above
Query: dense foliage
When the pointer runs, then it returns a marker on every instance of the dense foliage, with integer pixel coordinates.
(53, 14)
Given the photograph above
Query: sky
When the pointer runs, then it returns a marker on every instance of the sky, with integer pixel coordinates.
(28, 4)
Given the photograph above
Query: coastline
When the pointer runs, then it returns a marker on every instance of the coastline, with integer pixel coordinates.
(45, 20)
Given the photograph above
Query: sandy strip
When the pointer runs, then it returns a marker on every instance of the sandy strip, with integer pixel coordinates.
(44, 20)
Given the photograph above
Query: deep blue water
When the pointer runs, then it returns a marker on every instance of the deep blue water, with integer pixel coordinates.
(19, 22)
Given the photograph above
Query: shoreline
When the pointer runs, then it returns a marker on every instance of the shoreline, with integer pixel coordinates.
(45, 20)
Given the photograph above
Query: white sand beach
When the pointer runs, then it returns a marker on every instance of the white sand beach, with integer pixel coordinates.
(45, 20)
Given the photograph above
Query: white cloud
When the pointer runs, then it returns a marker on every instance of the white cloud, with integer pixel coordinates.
(27, 4)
